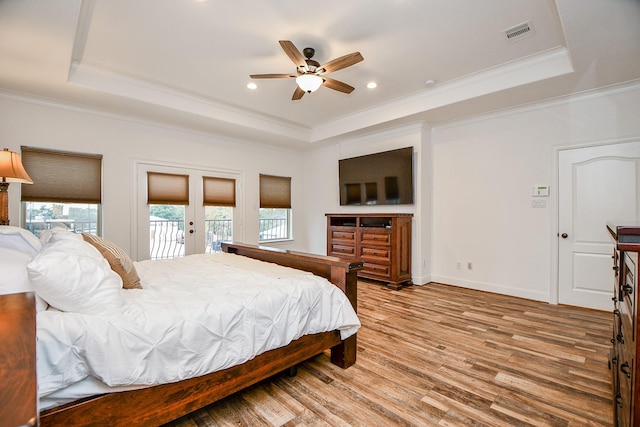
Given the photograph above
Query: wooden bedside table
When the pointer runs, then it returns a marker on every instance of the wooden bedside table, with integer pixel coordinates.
(18, 390)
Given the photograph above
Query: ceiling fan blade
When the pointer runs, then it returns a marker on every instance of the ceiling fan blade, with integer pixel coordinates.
(340, 63)
(337, 85)
(294, 54)
(297, 94)
(272, 76)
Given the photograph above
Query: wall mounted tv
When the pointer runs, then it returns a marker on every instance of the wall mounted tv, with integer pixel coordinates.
(377, 179)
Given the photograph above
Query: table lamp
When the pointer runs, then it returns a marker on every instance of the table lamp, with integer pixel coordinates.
(11, 170)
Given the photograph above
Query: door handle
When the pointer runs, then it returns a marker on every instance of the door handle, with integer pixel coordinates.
(564, 235)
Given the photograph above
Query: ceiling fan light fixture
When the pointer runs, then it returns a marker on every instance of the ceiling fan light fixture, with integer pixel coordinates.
(309, 82)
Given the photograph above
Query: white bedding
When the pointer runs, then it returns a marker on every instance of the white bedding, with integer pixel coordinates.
(194, 315)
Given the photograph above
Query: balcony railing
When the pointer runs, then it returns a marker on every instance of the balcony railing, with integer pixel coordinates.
(273, 229)
(37, 227)
(167, 237)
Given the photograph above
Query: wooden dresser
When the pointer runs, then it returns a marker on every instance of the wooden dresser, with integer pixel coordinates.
(18, 392)
(381, 241)
(626, 345)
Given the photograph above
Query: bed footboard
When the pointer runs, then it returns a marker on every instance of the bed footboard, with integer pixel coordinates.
(340, 272)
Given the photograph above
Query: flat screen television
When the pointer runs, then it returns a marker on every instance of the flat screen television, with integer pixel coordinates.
(377, 179)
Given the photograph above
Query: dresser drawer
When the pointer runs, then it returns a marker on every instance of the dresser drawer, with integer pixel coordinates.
(379, 255)
(626, 328)
(341, 250)
(372, 269)
(625, 376)
(377, 237)
(628, 297)
(349, 236)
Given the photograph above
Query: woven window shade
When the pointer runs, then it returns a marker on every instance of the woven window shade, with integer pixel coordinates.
(275, 192)
(62, 177)
(167, 189)
(218, 191)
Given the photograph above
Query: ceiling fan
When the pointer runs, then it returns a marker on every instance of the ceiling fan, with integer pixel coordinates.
(310, 74)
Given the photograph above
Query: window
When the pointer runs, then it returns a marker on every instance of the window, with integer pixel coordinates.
(66, 191)
(275, 208)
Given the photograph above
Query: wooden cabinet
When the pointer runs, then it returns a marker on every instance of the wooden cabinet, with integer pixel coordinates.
(381, 241)
(18, 392)
(625, 343)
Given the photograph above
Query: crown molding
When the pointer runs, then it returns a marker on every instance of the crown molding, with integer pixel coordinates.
(551, 63)
(94, 77)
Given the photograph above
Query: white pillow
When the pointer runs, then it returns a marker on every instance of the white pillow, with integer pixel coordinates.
(19, 239)
(13, 265)
(58, 233)
(14, 278)
(71, 275)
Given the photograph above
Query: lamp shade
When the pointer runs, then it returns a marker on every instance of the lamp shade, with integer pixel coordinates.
(309, 82)
(11, 169)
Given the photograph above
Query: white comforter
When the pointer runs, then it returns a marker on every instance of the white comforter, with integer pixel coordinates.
(194, 315)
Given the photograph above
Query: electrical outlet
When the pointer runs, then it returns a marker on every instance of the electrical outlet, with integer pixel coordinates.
(469, 265)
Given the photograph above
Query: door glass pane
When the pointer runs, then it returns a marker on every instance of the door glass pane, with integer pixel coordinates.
(166, 231)
(77, 217)
(218, 226)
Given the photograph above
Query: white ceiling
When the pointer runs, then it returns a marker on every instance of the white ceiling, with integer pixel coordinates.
(187, 62)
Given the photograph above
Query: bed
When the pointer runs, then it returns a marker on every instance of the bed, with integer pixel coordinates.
(138, 397)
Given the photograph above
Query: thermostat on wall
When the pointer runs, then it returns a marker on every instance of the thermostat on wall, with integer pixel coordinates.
(541, 191)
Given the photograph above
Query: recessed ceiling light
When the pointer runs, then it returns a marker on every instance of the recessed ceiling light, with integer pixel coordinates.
(252, 86)
(372, 85)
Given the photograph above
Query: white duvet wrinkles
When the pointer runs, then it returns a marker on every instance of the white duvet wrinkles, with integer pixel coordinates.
(195, 315)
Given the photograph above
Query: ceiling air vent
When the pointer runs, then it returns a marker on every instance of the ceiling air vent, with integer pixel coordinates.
(519, 31)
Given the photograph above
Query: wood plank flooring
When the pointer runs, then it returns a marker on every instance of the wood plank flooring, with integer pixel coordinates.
(438, 355)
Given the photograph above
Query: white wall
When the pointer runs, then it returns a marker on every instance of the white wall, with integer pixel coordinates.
(474, 188)
(121, 141)
(474, 178)
(483, 173)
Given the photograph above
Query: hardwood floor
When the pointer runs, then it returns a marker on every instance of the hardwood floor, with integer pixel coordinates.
(438, 355)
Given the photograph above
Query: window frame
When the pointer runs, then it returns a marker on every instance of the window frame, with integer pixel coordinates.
(275, 193)
(91, 193)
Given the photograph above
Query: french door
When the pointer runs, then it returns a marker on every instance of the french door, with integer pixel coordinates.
(171, 231)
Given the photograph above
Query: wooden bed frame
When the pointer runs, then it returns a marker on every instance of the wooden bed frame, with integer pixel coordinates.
(163, 403)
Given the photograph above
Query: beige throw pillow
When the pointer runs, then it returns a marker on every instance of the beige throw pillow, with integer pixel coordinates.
(118, 260)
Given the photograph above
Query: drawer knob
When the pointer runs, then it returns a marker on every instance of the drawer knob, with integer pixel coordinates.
(616, 312)
(625, 369)
(620, 338)
(628, 289)
(616, 268)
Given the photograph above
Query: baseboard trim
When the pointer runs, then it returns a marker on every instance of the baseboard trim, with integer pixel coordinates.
(492, 287)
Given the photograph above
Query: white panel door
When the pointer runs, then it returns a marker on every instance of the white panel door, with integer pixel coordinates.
(596, 185)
